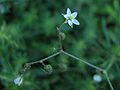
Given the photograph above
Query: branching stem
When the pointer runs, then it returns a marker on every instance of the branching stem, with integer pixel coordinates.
(76, 58)
(108, 79)
(42, 60)
(70, 55)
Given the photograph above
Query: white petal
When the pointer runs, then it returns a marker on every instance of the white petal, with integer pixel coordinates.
(70, 23)
(74, 15)
(76, 22)
(18, 81)
(65, 16)
(68, 12)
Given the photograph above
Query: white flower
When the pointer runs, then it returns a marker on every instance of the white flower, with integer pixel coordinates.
(18, 80)
(97, 78)
(70, 18)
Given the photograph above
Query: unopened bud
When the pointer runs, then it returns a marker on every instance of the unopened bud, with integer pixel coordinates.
(62, 35)
(18, 81)
(97, 78)
(62, 67)
(48, 69)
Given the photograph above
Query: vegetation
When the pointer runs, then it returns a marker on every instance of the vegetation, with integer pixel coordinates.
(28, 33)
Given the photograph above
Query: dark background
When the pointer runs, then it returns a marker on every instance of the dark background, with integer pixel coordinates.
(28, 33)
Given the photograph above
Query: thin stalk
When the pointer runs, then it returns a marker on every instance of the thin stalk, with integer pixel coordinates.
(89, 64)
(60, 40)
(42, 60)
(108, 79)
(59, 37)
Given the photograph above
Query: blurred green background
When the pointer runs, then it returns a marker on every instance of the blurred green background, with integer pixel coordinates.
(28, 33)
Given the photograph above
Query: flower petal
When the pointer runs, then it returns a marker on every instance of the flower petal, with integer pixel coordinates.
(18, 81)
(76, 22)
(68, 12)
(66, 16)
(74, 15)
(70, 23)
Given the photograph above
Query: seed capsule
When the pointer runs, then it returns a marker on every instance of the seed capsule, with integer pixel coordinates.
(62, 35)
(62, 67)
(48, 69)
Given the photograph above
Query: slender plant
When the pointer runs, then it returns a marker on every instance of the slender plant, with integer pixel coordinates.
(70, 19)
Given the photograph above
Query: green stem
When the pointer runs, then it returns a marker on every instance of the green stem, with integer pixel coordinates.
(42, 60)
(60, 39)
(89, 64)
(108, 79)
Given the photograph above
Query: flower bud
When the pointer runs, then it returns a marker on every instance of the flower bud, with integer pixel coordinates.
(97, 78)
(62, 35)
(18, 81)
(48, 69)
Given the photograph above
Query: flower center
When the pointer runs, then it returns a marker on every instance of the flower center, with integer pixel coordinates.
(70, 17)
